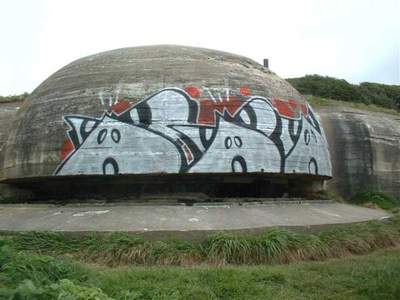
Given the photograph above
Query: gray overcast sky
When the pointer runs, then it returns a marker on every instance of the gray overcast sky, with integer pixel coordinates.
(356, 40)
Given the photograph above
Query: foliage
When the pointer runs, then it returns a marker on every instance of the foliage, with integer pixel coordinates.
(383, 95)
(40, 269)
(324, 102)
(40, 265)
(270, 247)
(327, 87)
(13, 98)
(62, 290)
(382, 200)
(358, 277)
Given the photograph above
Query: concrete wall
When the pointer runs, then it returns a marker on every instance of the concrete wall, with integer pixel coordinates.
(164, 109)
(197, 131)
(365, 150)
(180, 109)
(8, 112)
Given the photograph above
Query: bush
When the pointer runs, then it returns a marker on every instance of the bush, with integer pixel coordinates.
(382, 200)
(381, 94)
(17, 266)
(63, 290)
(328, 87)
(13, 98)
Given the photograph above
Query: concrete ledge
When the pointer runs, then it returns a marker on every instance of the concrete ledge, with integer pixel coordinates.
(180, 220)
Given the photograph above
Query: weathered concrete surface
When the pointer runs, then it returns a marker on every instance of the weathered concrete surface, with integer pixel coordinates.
(364, 146)
(164, 218)
(90, 85)
(365, 150)
(8, 112)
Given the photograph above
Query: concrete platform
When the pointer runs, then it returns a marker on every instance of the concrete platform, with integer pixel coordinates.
(180, 218)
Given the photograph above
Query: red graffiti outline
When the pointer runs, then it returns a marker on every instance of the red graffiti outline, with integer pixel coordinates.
(66, 149)
(231, 105)
(289, 108)
(120, 107)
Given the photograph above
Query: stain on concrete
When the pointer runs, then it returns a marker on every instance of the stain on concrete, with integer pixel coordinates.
(90, 213)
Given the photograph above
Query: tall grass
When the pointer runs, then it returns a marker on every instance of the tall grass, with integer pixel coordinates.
(28, 276)
(271, 247)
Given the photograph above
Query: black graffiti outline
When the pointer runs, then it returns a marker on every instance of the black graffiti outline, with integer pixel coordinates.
(110, 161)
(115, 135)
(101, 136)
(242, 162)
(313, 162)
(145, 121)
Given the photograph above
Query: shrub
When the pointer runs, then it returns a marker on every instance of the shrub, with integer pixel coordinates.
(381, 94)
(63, 290)
(13, 98)
(382, 200)
(328, 87)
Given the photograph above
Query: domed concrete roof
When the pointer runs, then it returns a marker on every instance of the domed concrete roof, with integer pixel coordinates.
(164, 109)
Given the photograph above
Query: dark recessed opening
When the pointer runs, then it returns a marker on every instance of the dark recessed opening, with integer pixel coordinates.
(134, 187)
(255, 189)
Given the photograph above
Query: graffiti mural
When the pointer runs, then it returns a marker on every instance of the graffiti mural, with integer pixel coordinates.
(197, 131)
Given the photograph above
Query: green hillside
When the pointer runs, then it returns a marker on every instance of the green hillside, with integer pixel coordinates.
(13, 98)
(383, 95)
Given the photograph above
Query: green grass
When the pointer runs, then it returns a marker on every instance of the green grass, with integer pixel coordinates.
(382, 200)
(274, 246)
(43, 265)
(25, 275)
(325, 102)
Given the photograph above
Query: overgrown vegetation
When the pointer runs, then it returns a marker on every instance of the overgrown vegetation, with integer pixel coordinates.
(382, 95)
(382, 200)
(25, 275)
(271, 247)
(324, 102)
(13, 98)
(49, 265)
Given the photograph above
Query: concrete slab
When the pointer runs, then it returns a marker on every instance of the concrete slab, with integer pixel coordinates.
(179, 218)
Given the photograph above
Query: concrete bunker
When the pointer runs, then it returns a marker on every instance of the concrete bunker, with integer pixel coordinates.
(158, 120)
